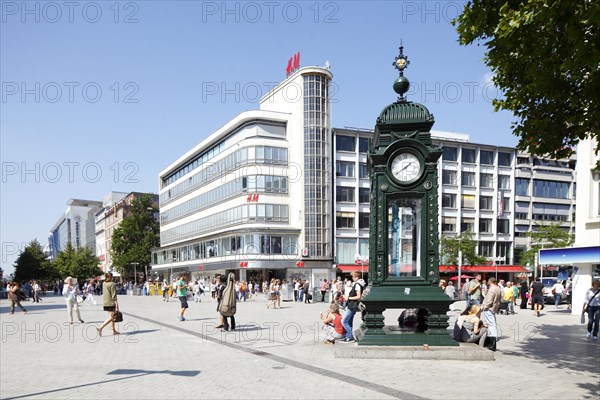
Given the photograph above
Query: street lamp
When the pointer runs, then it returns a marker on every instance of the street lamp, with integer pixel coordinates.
(135, 264)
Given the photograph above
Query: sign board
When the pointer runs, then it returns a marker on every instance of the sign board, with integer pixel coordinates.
(293, 64)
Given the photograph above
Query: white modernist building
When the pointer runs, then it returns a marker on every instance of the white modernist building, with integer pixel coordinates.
(75, 226)
(255, 197)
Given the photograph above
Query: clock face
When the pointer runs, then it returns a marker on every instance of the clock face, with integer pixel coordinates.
(406, 167)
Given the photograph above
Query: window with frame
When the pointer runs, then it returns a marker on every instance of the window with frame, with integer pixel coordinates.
(486, 181)
(503, 226)
(363, 145)
(503, 182)
(345, 143)
(486, 202)
(504, 159)
(344, 194)
(522, 187)
(486, 249)
(506, 204)
(449, 177)
(485, 225)
(468, 201)
(448, 200)
(468, 178)
(503, 251)
(345, 250)
(467, 225)
(344, 168)
(362, 171)
(486, 157)
(363, 220)
(344, 220)
(550, 189)
(448, 224)
(468, 156)
(450, 154)
(363, 195)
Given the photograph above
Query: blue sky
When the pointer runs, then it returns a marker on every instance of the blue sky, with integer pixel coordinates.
(100, 96)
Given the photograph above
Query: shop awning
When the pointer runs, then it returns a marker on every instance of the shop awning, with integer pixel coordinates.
(483, 268)
(347, 268)
(570, 255)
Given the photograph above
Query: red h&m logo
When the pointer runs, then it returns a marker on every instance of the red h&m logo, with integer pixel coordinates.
(200, 267)
(300, 264)
(252, 198)
(244, 264)
(293, 64)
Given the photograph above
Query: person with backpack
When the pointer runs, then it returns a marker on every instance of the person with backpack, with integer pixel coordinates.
(356, 291)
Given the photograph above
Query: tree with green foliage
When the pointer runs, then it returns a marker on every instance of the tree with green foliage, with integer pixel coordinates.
(136, 236)
(78, 263)
(544, 55)
(545, 236)
(32, 263)
(450, 245)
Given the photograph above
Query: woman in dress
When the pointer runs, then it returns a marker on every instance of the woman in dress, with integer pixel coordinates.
(109, 302)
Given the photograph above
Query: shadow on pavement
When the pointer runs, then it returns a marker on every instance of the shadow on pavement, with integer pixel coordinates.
(141, 331)
(559, 347)
(135, 373)
(38, 307)
(146, 372)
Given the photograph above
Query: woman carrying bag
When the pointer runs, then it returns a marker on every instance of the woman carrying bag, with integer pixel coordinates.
(110, 303)
(71, 292)
(227, 307)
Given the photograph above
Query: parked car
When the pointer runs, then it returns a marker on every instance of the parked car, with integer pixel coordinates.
(548, 296)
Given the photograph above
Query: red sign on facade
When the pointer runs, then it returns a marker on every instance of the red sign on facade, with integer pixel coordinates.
(293, 64)
(200, 267)
(244, 264)
(300, 264)
(252, 198)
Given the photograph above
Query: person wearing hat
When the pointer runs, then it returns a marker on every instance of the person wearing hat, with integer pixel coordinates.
(591, 305)
(70, 291)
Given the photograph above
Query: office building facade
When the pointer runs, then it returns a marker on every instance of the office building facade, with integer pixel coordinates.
(75, 226)
(255, 196)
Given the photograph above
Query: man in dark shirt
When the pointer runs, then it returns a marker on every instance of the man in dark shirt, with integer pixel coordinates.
(536, 292)
(219, 288)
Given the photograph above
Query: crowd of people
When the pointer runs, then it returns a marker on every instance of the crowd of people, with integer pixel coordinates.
(477, 323)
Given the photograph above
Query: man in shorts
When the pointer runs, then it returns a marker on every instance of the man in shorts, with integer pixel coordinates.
(182, 294)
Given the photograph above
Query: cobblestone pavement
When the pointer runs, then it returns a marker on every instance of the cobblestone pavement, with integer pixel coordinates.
(274, 354)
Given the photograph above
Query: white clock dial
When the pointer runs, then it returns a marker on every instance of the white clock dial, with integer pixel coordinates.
(406, 167)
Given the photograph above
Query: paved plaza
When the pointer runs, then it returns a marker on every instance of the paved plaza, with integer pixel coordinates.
(274, 354)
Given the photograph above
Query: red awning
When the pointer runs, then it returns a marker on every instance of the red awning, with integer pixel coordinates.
(484, 268)
(353, 267)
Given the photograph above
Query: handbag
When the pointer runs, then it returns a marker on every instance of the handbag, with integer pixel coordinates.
(118, 316)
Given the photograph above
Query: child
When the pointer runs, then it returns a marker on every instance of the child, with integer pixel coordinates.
(333, 324)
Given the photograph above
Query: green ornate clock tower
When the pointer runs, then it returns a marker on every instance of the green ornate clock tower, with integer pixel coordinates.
(404, 245)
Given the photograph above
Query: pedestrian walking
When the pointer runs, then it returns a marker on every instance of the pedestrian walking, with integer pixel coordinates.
(591, 305)
(89, 293)
(536, 292)
(37, 289)
(324, 287)
(182, 294)
(71, 292)
(14, 295)
(557, 292)
(109, 302)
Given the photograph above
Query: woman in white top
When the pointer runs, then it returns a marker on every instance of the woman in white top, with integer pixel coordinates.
(70, 292)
